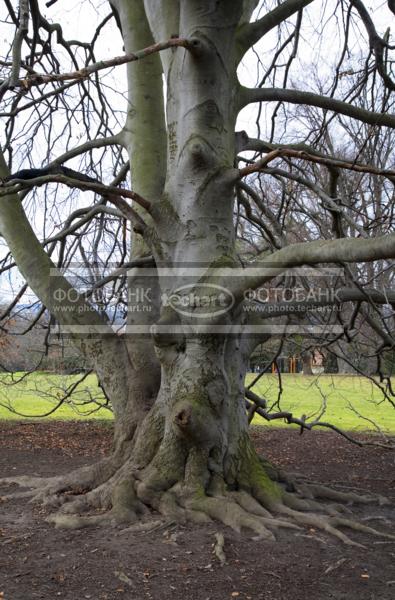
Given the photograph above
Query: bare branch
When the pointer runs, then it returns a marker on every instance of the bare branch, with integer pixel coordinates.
(322, 160)
(249, 34)
(19, 37)
(249, 95)
(317, 252)
(377, 44)
(43, 78)
(113, 194)
(255, 406)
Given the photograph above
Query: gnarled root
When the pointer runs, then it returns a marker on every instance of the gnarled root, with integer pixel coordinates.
(48, 490)
(314, 490)
(191, 492)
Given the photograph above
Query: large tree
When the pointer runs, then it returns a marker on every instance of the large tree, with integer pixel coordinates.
(199, 214)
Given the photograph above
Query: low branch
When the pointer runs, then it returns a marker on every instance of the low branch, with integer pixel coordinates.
(59, 401)
(256, 407)
(342, 250)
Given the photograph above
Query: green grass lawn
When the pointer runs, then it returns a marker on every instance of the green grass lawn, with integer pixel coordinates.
(39, 393)
(352, 403)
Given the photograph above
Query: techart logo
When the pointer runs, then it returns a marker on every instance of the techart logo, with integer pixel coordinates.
(200, 301)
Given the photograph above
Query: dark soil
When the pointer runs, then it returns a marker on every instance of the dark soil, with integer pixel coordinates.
(38, 561)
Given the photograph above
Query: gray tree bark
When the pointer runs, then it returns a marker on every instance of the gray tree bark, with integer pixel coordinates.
(181, 443)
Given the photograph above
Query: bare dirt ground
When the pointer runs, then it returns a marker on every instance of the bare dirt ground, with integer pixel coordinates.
(174, 562)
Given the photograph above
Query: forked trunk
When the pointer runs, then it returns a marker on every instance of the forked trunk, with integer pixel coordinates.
(181, 442)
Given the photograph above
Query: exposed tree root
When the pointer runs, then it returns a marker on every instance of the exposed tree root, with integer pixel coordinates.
(131, 497)
(331, 523)
(47, 490)
(219, 548)
(148, 526)
(313, 490)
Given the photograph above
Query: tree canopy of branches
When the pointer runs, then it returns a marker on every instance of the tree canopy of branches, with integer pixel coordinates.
(216, 153)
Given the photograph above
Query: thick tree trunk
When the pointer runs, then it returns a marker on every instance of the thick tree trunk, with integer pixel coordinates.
(190, 453)
(181, 444)
(191, 459)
